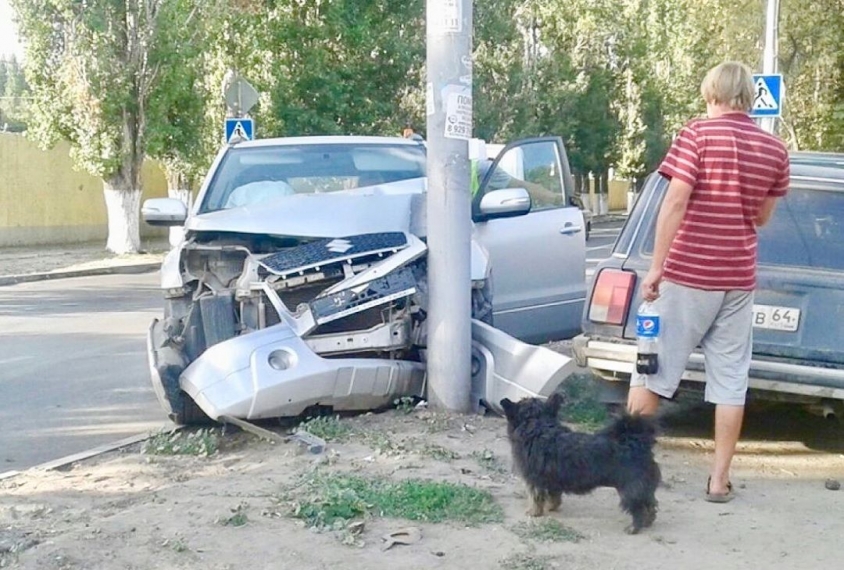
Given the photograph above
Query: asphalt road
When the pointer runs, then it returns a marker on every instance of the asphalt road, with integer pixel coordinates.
(73, 372)
(599, 246)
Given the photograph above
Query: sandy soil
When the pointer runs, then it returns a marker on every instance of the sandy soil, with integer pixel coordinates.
(128, 510)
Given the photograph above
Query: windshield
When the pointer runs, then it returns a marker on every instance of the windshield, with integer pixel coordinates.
(251, 175)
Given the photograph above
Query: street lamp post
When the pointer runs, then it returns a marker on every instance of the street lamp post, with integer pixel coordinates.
(449, 128)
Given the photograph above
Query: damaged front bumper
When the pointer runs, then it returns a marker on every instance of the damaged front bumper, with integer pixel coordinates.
(274, 373)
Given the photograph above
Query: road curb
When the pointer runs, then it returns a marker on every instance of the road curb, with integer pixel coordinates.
(127, 269)
(61, 462)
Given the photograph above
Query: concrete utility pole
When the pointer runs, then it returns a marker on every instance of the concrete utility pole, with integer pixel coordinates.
(769, 57)
(449, 125)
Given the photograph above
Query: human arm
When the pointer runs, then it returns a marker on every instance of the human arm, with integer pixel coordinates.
(766, 210)
(780, 188)
(681, 165)
(668, 222)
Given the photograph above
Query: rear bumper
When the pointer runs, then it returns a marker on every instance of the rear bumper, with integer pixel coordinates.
(614, 360)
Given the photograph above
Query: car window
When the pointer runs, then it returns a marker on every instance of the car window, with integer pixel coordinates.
(534, 166)
(252, 175)
(806, 230)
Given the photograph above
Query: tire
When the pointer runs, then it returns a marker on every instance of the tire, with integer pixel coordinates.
(189, 413)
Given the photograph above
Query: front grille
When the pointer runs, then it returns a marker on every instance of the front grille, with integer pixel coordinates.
(330, 250)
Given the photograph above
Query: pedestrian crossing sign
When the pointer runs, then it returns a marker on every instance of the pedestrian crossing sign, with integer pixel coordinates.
(767, 96)
(239, 129)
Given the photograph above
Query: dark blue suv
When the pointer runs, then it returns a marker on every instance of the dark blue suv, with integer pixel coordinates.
(798, 335)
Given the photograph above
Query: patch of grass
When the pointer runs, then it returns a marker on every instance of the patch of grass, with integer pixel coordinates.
(204, 442)
(382, 443)
(331, 499)
(526, 562)
(176, 544)
(237, 518)
(547, 530)
(329, 428)
(582, 405)
(439, 452)
(437, 423)
(487, 459)
(405, 404)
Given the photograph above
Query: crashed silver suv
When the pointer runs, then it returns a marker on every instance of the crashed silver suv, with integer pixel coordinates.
(301, 278)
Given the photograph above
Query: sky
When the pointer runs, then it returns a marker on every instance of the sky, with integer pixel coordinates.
(8, 32)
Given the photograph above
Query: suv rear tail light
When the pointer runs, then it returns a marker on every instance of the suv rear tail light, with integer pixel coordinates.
(611, 296)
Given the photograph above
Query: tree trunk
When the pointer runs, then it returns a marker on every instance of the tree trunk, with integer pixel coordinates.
(123, 205)
(179, 187)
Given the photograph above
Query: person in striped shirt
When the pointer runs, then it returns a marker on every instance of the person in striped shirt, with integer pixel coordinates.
(726, 175)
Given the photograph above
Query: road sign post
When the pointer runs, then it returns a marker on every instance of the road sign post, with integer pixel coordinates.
(769, 62)
(449, 128)
(240, 97)
(767, 96)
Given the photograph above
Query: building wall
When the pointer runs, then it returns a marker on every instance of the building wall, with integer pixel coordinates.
(43, 200)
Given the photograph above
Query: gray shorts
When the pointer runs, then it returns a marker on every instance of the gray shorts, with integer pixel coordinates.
(721, 323)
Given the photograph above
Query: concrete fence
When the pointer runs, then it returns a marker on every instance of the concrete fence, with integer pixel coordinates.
(44, 200)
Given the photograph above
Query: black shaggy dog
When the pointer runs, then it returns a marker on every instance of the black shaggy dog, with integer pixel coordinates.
(553, 459)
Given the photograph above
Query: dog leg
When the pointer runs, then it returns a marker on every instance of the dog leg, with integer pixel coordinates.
(537, 502)
(554, 501)
(641, 504)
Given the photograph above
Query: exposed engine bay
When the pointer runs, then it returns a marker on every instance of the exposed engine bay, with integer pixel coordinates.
(359, 300)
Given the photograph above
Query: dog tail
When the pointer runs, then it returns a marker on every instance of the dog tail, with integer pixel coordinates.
(638, 428)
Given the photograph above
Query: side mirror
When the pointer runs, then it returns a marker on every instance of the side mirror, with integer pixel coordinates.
(505, 203)
(164, 212)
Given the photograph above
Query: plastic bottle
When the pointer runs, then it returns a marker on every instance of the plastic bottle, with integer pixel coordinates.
(647, 339)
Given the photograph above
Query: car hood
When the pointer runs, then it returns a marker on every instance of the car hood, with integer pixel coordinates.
(390, 207)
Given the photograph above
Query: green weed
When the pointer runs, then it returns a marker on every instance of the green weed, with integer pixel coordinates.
(329, 428)
(204, 442)
(547, 530)
(331, 499)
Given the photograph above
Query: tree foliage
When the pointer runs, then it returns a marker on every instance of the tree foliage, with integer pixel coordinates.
(616, 79)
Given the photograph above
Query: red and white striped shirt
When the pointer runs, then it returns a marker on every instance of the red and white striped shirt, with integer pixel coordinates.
(732, 165)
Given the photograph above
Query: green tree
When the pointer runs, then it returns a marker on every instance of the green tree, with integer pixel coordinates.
(14, 95)
(95, 69)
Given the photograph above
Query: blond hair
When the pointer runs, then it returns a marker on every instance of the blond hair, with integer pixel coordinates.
(730, 83)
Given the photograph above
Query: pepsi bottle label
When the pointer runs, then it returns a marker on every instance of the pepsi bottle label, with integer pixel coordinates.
(647, 326)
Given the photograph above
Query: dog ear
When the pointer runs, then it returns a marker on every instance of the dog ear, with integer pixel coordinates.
(554, 402)
(508, 407)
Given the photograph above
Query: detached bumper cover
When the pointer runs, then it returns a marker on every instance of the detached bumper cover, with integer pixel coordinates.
(274, 373)
(614, 359)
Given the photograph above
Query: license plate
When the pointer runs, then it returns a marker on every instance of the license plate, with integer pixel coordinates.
(776, 318)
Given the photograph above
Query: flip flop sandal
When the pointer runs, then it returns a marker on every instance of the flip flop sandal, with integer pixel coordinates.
(719, 497)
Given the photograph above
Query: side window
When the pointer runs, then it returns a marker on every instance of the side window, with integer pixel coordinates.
(534, 166)
(807, 230)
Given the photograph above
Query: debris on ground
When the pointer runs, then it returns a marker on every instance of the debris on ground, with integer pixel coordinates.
(407, 536)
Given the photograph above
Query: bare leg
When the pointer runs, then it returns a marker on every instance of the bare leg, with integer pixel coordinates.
(728, 420)
(642, 401)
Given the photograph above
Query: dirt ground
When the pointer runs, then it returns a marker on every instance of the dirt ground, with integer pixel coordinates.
(133, 510)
